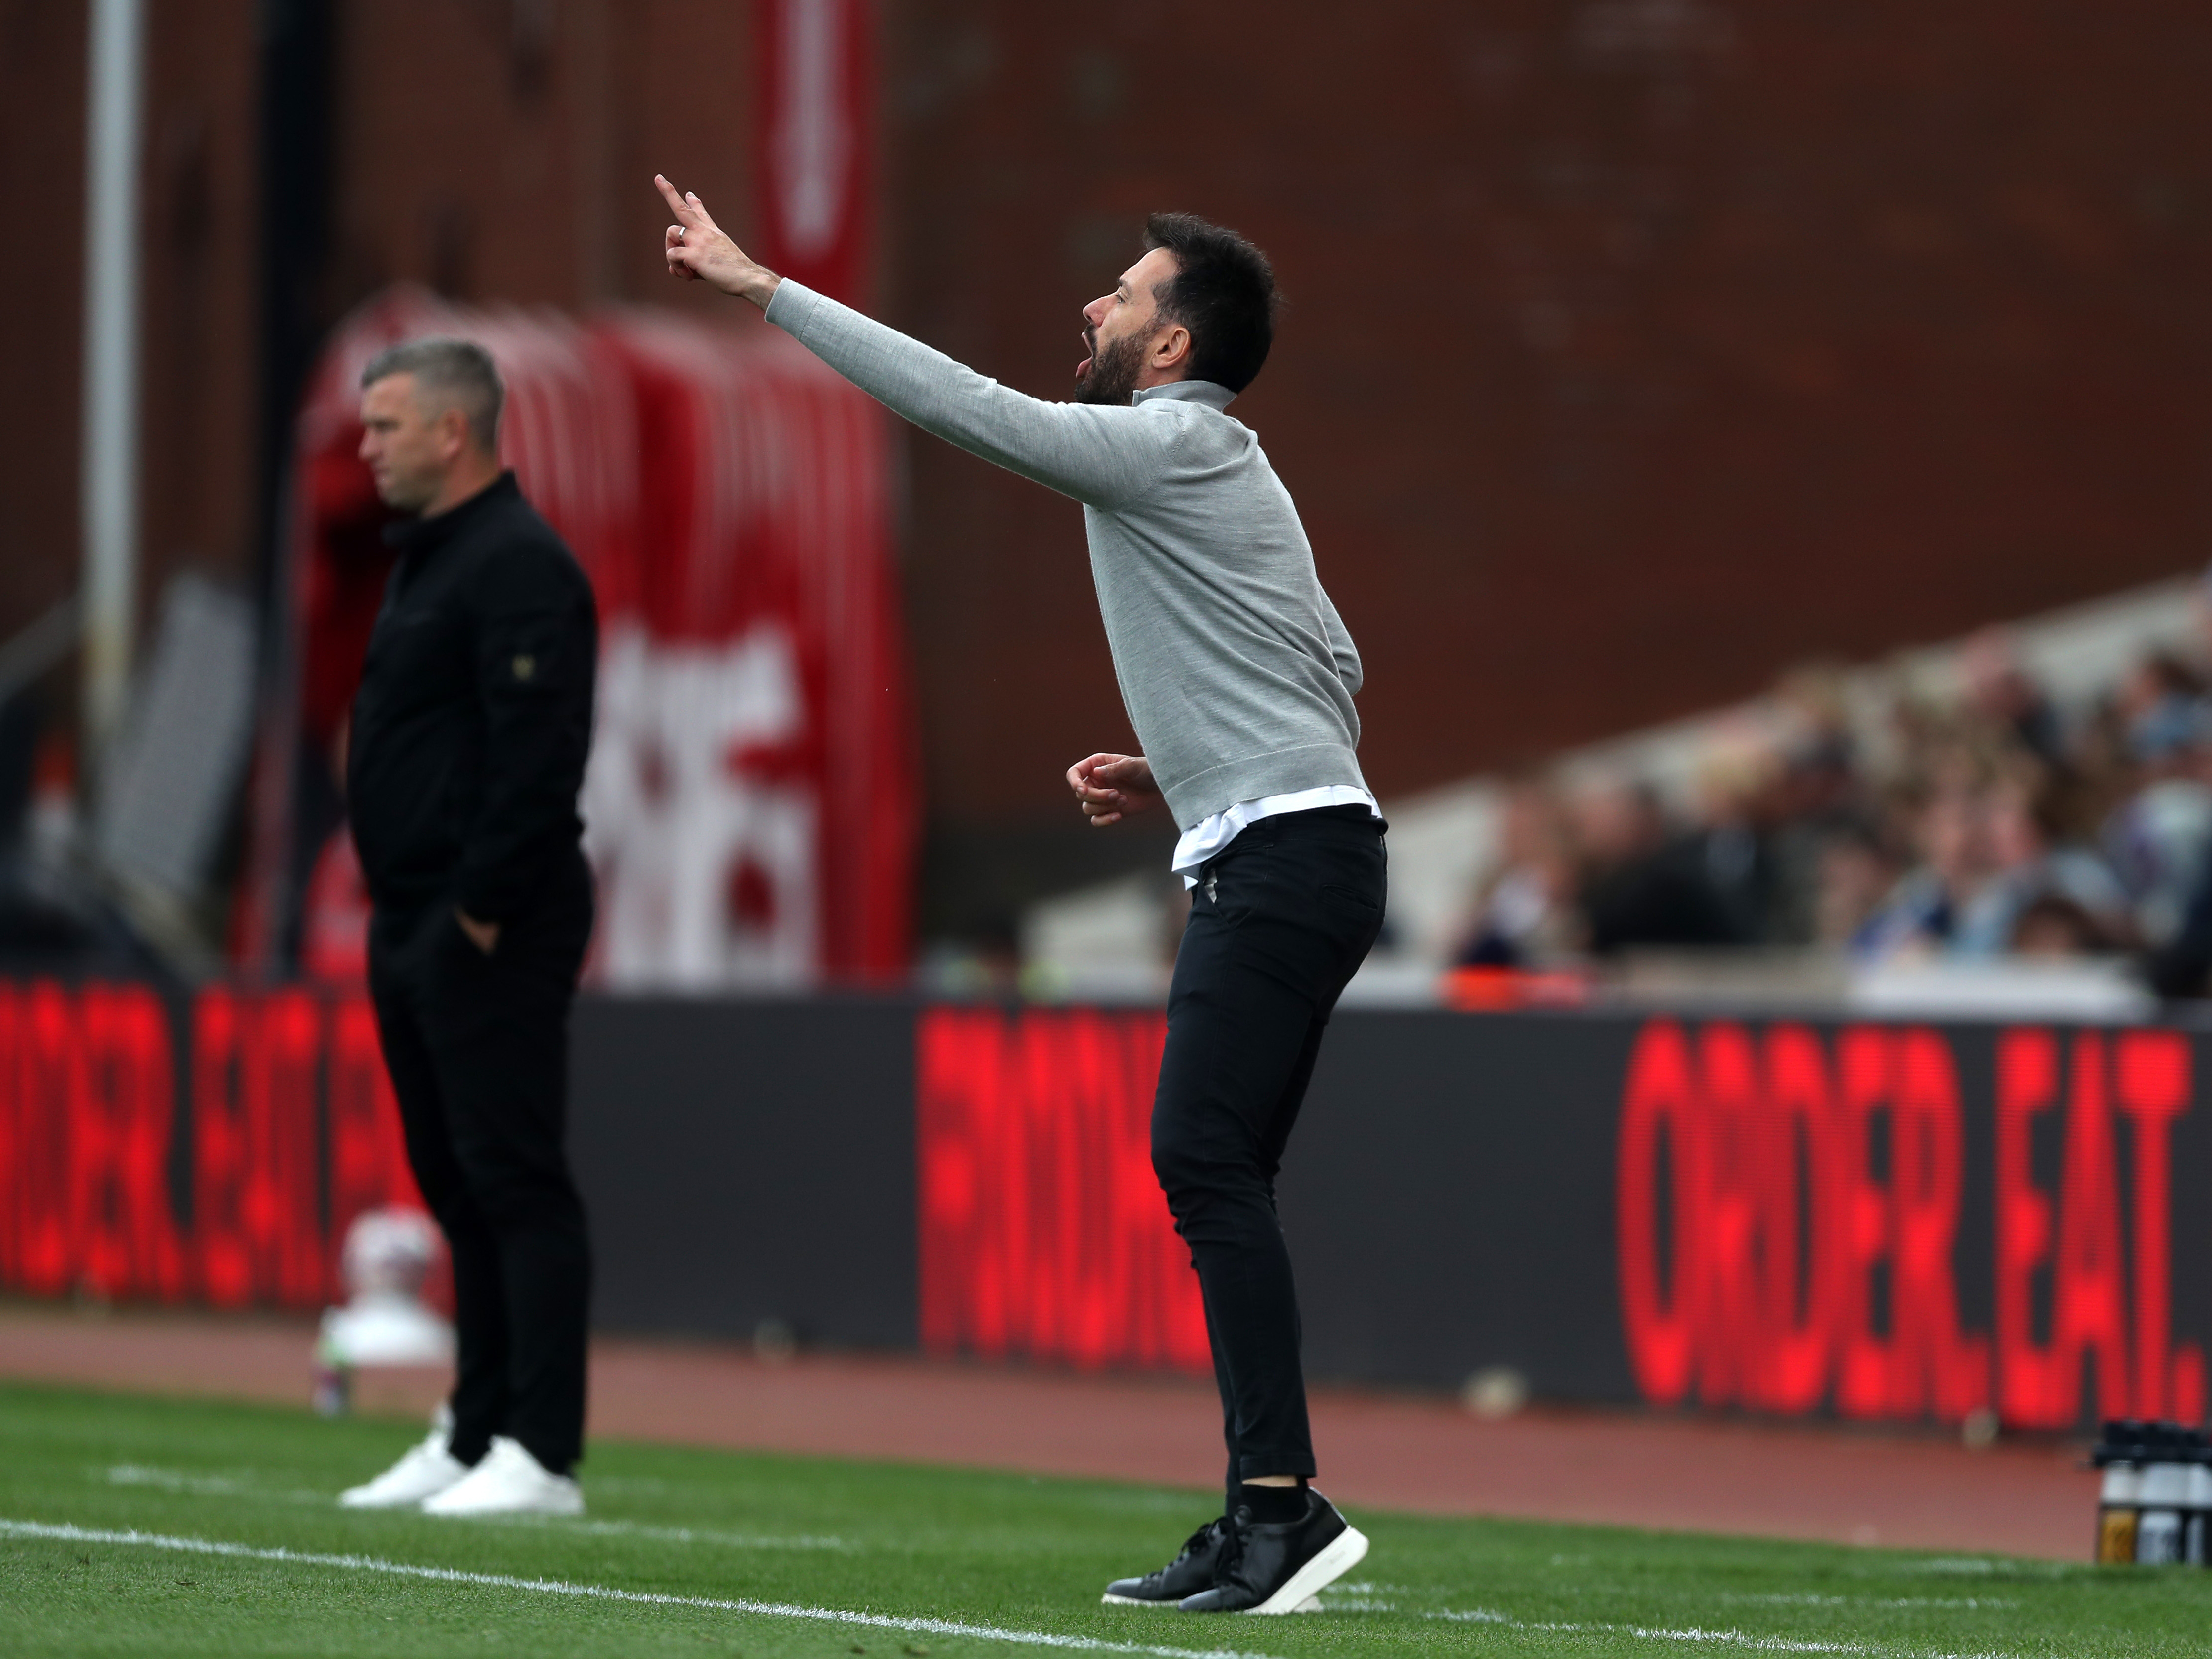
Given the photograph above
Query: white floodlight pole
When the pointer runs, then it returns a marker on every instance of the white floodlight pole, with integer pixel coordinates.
(108, 473)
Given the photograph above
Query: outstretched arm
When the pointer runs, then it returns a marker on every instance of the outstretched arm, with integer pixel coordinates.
(1101, 455)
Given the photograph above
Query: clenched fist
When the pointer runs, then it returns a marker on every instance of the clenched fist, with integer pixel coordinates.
(1108, 787)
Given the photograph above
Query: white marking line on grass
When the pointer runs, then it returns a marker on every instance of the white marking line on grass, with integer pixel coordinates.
(1734, 1638)
(1737, 1638)
(2012, 1567)
(735, 1540)
(1808, 1601)
(203, 1486)
(64, 1533)
(215, 1486)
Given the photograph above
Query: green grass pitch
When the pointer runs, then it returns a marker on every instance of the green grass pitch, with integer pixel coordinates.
(704, 1552)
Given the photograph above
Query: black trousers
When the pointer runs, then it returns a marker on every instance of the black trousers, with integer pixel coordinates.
(1280, 921)
(478, 1046)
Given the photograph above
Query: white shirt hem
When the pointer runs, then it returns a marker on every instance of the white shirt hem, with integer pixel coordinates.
(1209, 836)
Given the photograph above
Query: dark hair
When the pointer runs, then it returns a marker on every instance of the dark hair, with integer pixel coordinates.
(1222, 291)
(450, 374)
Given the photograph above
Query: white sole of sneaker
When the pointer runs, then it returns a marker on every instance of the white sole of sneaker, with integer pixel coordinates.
(1342, 1553)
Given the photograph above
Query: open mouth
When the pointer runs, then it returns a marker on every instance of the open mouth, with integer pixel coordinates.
(1090, 352)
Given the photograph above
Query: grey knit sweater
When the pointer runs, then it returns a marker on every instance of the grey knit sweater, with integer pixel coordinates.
(1235, 671)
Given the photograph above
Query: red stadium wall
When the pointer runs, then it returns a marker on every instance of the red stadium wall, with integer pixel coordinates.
(1636, 350)
(1708, 337)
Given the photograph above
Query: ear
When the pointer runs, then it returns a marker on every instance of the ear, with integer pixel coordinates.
(453, 431)
(1172, 347)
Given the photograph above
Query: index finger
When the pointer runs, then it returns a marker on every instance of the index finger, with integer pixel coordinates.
(677, 205)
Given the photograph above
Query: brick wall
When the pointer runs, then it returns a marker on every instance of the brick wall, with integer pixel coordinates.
(1638, 348)
(197, 308)
(42, 71)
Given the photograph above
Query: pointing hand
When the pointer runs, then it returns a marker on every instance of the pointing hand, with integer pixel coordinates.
(699, 251)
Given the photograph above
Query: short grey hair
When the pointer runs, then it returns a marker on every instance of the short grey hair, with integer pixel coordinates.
(453, 374)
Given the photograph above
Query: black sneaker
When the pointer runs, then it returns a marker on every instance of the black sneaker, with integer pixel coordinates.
(1187, 1574)
(1282, 1566)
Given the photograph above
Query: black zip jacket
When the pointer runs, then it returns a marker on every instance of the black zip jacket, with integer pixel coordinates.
(474, 716)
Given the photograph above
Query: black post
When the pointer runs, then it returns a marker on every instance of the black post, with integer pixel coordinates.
(297, 48)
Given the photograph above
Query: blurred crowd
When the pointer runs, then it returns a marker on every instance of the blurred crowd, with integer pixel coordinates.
(1985, 822)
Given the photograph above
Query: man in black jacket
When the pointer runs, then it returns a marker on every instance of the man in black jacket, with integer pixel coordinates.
(465, 753)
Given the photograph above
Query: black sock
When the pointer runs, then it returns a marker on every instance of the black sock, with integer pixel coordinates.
(1273, 1506)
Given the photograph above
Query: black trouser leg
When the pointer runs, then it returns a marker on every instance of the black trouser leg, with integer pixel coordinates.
(1279, 923)
(480, 1382)
(483, 1041)
(1228, 1404)
(1280, 1122)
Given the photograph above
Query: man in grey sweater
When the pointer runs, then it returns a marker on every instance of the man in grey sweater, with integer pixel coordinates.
(1238, 678)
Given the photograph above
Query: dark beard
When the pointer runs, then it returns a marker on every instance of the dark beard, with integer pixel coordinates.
(1113, 373)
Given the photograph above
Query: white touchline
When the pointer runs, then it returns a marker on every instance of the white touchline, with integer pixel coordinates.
(64, 1533)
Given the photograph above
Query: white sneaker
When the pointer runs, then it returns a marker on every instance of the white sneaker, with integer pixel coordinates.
(510, 1481)
(426, 1471)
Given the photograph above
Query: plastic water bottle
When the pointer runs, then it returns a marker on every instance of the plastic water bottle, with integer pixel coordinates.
(2197, 1504)
(2119, 1501)
(2162, 1490)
